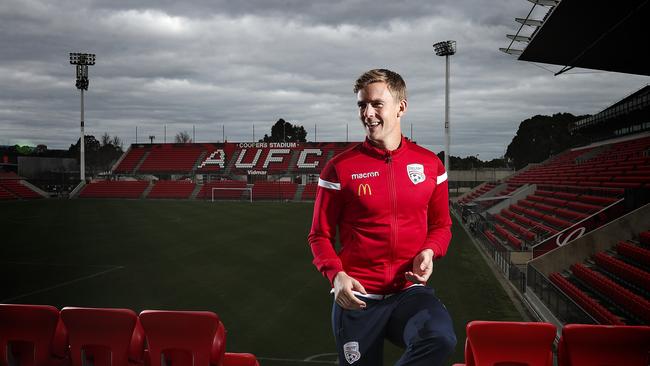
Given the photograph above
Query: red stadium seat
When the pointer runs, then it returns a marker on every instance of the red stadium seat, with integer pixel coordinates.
(31, 335)
(180, 337)
(510, 343)
(193, 338)
(219, 356)
(583, 344)
(104, 337)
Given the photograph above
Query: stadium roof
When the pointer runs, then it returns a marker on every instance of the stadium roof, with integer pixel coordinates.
(636, 104)
(601, 35)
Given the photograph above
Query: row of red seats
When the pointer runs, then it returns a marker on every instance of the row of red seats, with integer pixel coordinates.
(228, 189)
(520, 230)
(626, 271)
(584, 198)
(558, 211)
(599, 191)
(620, 295)
(492, 238)
(493, 343)
(634, 252)
(545, 218)
(183, 190)
(15, 189)
(477, 193)
(40, 335)
(6, 195)
(130, 161)
(591, 306)
(172, 189)
(511, 239)
(644, 238)
(168, 158)
(578, 206)
(274, 191)
(114, 189)
(533, 225)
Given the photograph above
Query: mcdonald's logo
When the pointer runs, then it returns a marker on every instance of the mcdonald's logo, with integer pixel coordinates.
(364, 189)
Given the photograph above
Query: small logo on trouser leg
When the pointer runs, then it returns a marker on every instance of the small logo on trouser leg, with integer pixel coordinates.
(351, 351)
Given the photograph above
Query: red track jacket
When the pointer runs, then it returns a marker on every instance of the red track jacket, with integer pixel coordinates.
(388, 206)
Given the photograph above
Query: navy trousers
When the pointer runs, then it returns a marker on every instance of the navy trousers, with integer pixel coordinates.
(413, 319)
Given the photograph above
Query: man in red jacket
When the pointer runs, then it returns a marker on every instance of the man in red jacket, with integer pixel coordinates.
(389, 199)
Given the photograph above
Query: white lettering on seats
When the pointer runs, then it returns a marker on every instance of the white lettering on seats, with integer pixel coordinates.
(302, 164)
(213, 160)
(242, 153)
(275, 159)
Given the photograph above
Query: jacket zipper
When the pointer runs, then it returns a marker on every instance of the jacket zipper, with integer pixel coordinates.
(393, 215)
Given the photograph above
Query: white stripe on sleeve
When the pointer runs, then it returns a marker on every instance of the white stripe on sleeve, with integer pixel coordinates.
(329, 185)
(442, 178)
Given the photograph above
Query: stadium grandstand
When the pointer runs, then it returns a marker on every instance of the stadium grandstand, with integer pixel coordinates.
(571, 234)
(14, 187)
(208, 171)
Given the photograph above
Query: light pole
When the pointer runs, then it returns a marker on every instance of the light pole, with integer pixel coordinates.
(82, 60)
(446, 48)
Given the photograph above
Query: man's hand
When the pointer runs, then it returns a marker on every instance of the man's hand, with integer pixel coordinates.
(422, 267)
(343, 287)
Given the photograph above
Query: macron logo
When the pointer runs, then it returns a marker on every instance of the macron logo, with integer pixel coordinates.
(365, 175)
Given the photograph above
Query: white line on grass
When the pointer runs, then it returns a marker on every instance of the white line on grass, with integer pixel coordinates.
(296, 361)
(62, 284)
(62, 264)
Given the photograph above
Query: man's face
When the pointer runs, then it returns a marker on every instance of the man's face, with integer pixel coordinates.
(380, 114)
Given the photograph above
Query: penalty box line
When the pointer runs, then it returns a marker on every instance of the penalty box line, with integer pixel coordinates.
(62, 284)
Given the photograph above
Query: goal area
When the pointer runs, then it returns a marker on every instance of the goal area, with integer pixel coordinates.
(231, 193)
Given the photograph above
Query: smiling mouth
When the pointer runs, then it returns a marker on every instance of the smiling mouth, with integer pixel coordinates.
(372, 124)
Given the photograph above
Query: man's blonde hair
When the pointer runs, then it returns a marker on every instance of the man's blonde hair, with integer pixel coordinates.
(393, 80)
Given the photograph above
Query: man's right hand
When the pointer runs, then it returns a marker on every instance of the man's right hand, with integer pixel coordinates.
(343, 287)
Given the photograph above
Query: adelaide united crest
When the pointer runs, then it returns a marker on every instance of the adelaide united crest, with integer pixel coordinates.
(416, 173)
(351, 352)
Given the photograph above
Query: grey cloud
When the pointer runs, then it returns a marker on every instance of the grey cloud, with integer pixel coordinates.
(214, 64)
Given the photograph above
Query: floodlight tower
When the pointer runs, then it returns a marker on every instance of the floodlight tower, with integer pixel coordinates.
(446, 48)
(82, 60)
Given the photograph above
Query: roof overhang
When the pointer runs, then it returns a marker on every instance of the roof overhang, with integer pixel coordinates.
(600, 35)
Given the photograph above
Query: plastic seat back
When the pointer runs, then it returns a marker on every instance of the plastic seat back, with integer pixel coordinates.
(511, 343)
(218, 346)
(600, 345)
(31, 335)
(182, 338)
(100, 336)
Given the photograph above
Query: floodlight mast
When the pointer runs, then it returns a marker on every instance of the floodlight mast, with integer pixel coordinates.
(446, 48)
(82, 60)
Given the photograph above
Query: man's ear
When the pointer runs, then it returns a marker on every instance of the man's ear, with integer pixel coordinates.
(402, 108)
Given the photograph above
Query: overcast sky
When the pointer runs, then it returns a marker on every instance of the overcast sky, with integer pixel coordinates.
(209, 63)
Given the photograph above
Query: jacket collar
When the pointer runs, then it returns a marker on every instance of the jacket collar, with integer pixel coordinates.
(374, 151)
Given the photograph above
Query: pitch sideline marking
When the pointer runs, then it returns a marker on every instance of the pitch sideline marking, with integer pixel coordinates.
(63, 284)
(297, 360)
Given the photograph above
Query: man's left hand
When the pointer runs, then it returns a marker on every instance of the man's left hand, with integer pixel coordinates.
(422, 267)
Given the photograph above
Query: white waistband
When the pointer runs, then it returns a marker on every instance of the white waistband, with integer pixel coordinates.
(378, 296)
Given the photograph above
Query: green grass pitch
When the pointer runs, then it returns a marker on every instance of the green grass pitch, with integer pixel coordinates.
(250, 263)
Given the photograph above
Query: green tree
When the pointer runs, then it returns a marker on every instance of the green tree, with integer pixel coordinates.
(285, 131)
(182, 137)
(100, 155)
(541, 137)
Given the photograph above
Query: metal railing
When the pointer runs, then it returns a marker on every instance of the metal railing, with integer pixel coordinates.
(561, 305)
